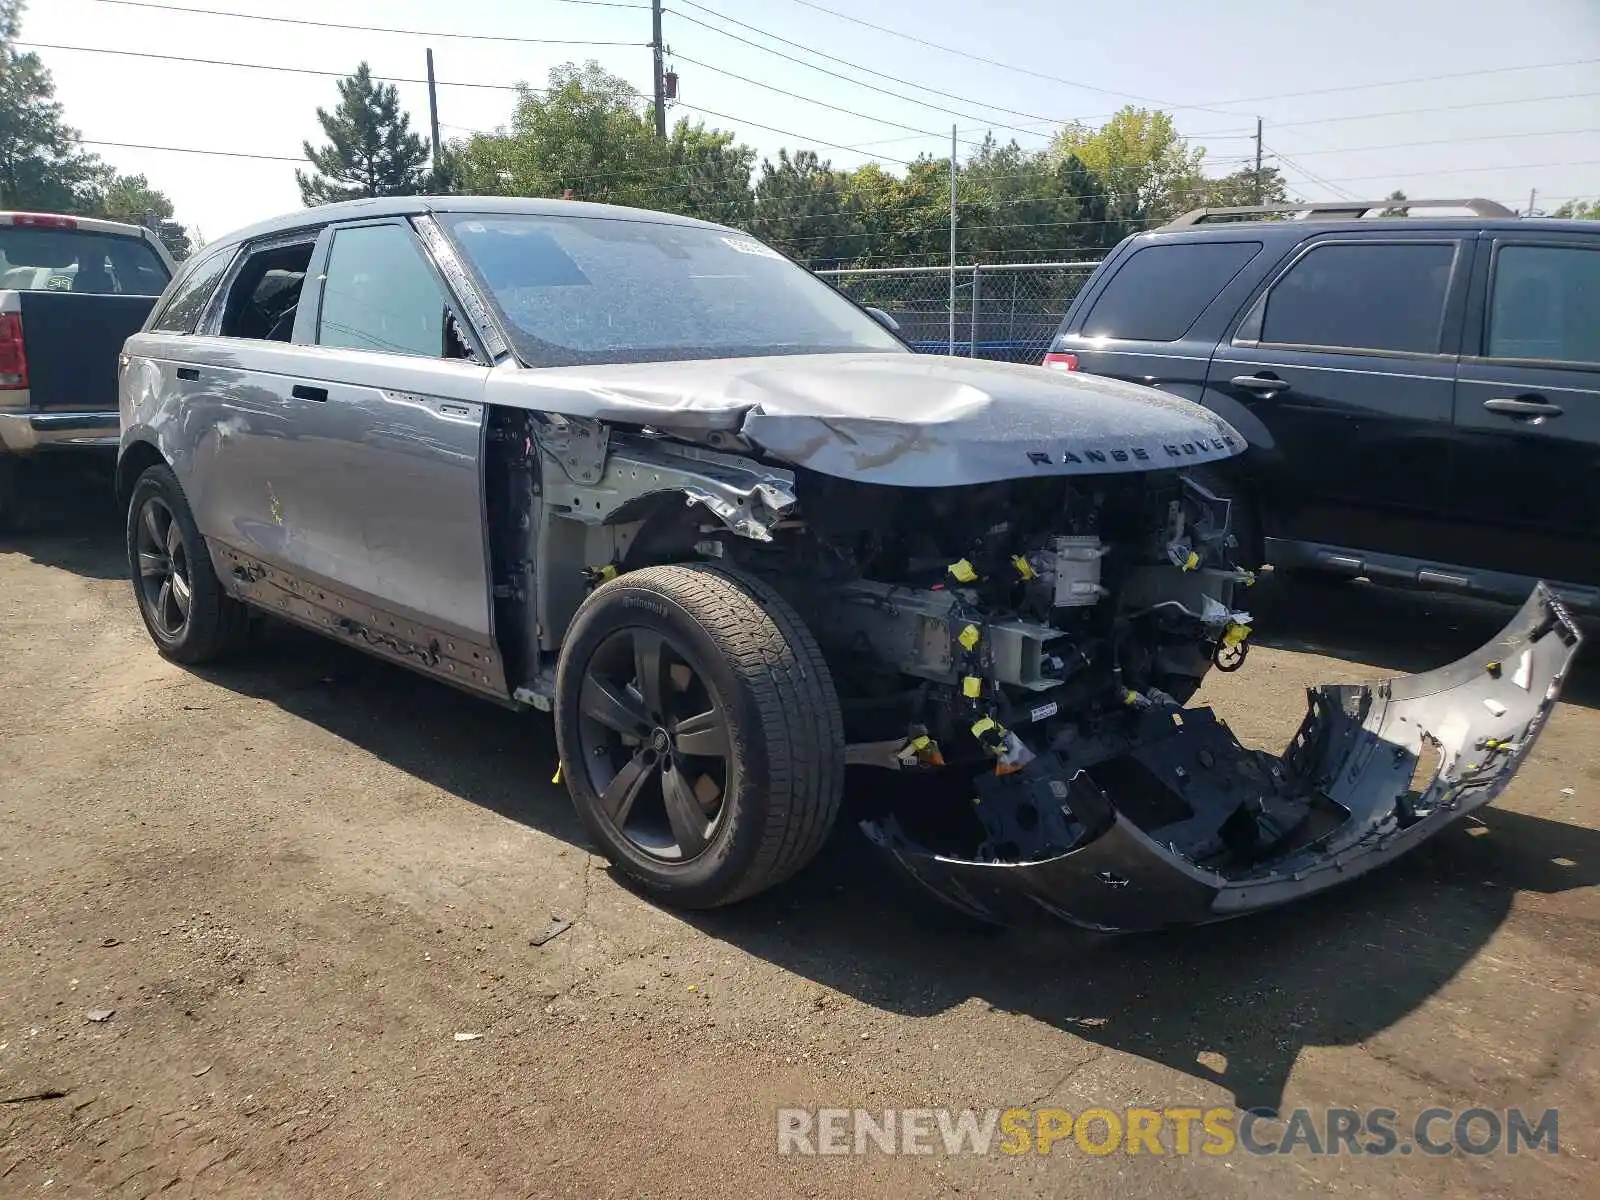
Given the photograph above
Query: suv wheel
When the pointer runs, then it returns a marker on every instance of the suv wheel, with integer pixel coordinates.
(699, 732)
(190, 617)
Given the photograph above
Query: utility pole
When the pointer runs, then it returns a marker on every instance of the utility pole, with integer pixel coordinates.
(1532, 195)
(433, 122)
(951, 345)
(661, 81)
(1261, 191)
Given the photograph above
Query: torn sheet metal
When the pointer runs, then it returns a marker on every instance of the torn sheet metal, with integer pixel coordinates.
(906, 420)
(1355, 756)
(747, 496)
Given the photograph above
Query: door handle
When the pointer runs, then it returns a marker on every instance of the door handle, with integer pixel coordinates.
(302, 391)
(1523, 406)
(1262, 385)
(188, 373)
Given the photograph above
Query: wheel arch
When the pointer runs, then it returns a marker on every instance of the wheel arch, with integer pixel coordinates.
(136, 458)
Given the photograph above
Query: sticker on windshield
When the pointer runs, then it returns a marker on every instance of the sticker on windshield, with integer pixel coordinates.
(750, 246)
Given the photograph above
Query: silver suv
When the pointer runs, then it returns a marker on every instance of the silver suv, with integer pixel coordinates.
(646, 473)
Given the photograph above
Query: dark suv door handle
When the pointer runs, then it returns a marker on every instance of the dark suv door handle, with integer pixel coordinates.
(188, 373)
(301, 391)
(1262, 385)
(1523, 406)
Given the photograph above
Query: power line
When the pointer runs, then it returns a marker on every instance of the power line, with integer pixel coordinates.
(191, 150)
(965, 116)
(980, 58)
(1490, 137)
(219, 62)
(809, 100)
(431, 33)
(842, 61)
(787, 133)
(1317, 179)
(1361, 87)
(1407, 112)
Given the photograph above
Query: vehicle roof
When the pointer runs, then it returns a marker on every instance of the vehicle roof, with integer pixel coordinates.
(1297, 229)
(84, 224)
(410, 206)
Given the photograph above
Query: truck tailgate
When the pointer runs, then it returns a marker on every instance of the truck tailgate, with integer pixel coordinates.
(73, 340)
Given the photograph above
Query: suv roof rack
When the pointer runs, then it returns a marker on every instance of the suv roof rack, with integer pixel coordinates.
(1332, 210)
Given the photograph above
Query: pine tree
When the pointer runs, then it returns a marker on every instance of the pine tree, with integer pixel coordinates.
(42, 164)
(371, 150)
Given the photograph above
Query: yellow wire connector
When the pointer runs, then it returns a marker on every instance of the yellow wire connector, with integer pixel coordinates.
(1192, 561)
(972, 687)
(1024, 568)
(604, 573)
(969, 637)
(962, 571)
(1234, 634)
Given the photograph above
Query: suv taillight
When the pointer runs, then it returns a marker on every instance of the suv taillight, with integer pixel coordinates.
(1058, 361)
(13, 354)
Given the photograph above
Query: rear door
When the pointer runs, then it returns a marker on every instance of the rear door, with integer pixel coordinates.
(1526, 488)
(1143, 322)
(1344, 370)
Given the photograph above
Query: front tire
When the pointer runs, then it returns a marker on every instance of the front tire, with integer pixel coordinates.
(699, 732)
(190, 617)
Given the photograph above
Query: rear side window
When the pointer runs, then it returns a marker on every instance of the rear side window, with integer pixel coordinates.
(381, 294)
(1363, 296)
(265, 295)
(73, 260)
(1546, 304)
(182, 311)
(1161, 290)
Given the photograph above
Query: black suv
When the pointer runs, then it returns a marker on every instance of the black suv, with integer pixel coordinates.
(1421, 395)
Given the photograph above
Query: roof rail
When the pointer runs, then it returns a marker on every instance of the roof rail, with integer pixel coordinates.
(1332, 210)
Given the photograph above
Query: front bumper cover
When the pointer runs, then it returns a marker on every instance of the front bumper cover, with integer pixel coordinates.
(1355, 756)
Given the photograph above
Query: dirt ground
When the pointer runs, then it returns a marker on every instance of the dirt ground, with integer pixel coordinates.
(296, 879)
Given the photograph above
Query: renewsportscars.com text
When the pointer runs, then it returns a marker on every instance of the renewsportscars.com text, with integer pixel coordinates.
(1167, 1131)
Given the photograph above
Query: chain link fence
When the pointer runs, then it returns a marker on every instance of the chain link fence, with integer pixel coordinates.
(1005, 311)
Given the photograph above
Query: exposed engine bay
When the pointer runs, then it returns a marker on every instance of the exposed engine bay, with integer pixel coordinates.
(1018, 655)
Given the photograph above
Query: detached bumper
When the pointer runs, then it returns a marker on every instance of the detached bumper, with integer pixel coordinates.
(23, 432)
(1349, 771)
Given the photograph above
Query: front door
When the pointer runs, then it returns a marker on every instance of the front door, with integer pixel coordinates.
(386, 494)
(1526, 491)
(1347, 362)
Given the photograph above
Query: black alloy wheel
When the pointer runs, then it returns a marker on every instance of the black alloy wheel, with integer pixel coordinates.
(165, 587)
(655, 744)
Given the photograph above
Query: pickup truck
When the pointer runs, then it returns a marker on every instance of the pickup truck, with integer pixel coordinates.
(72, 289)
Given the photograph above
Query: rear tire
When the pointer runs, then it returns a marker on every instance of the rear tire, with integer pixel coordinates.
(724, 776)
(190, 617)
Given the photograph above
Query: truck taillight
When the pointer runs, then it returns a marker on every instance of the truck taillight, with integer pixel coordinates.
(1058, 361)
(13, 355)
(43, 221)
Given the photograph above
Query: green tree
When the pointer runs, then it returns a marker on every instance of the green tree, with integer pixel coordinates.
(1145, 168)
(130, 198)
(803, 207)
(589, 134)
(1245, 187)
(43, 165)
(371, 150)
(1395, 210)
(1583, 210)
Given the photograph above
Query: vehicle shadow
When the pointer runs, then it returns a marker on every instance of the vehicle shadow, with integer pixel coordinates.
(1233, 1004)
(67, 515)
(1394, 629)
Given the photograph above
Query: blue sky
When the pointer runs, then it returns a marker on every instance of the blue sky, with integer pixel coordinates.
(1302, 67)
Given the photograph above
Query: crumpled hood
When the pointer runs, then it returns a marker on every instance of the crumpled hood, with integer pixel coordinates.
(907, 420)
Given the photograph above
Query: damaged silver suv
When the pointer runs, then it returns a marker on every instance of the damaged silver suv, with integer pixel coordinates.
(645, 473)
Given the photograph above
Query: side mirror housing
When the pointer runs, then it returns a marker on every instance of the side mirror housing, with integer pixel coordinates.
(884, 319)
